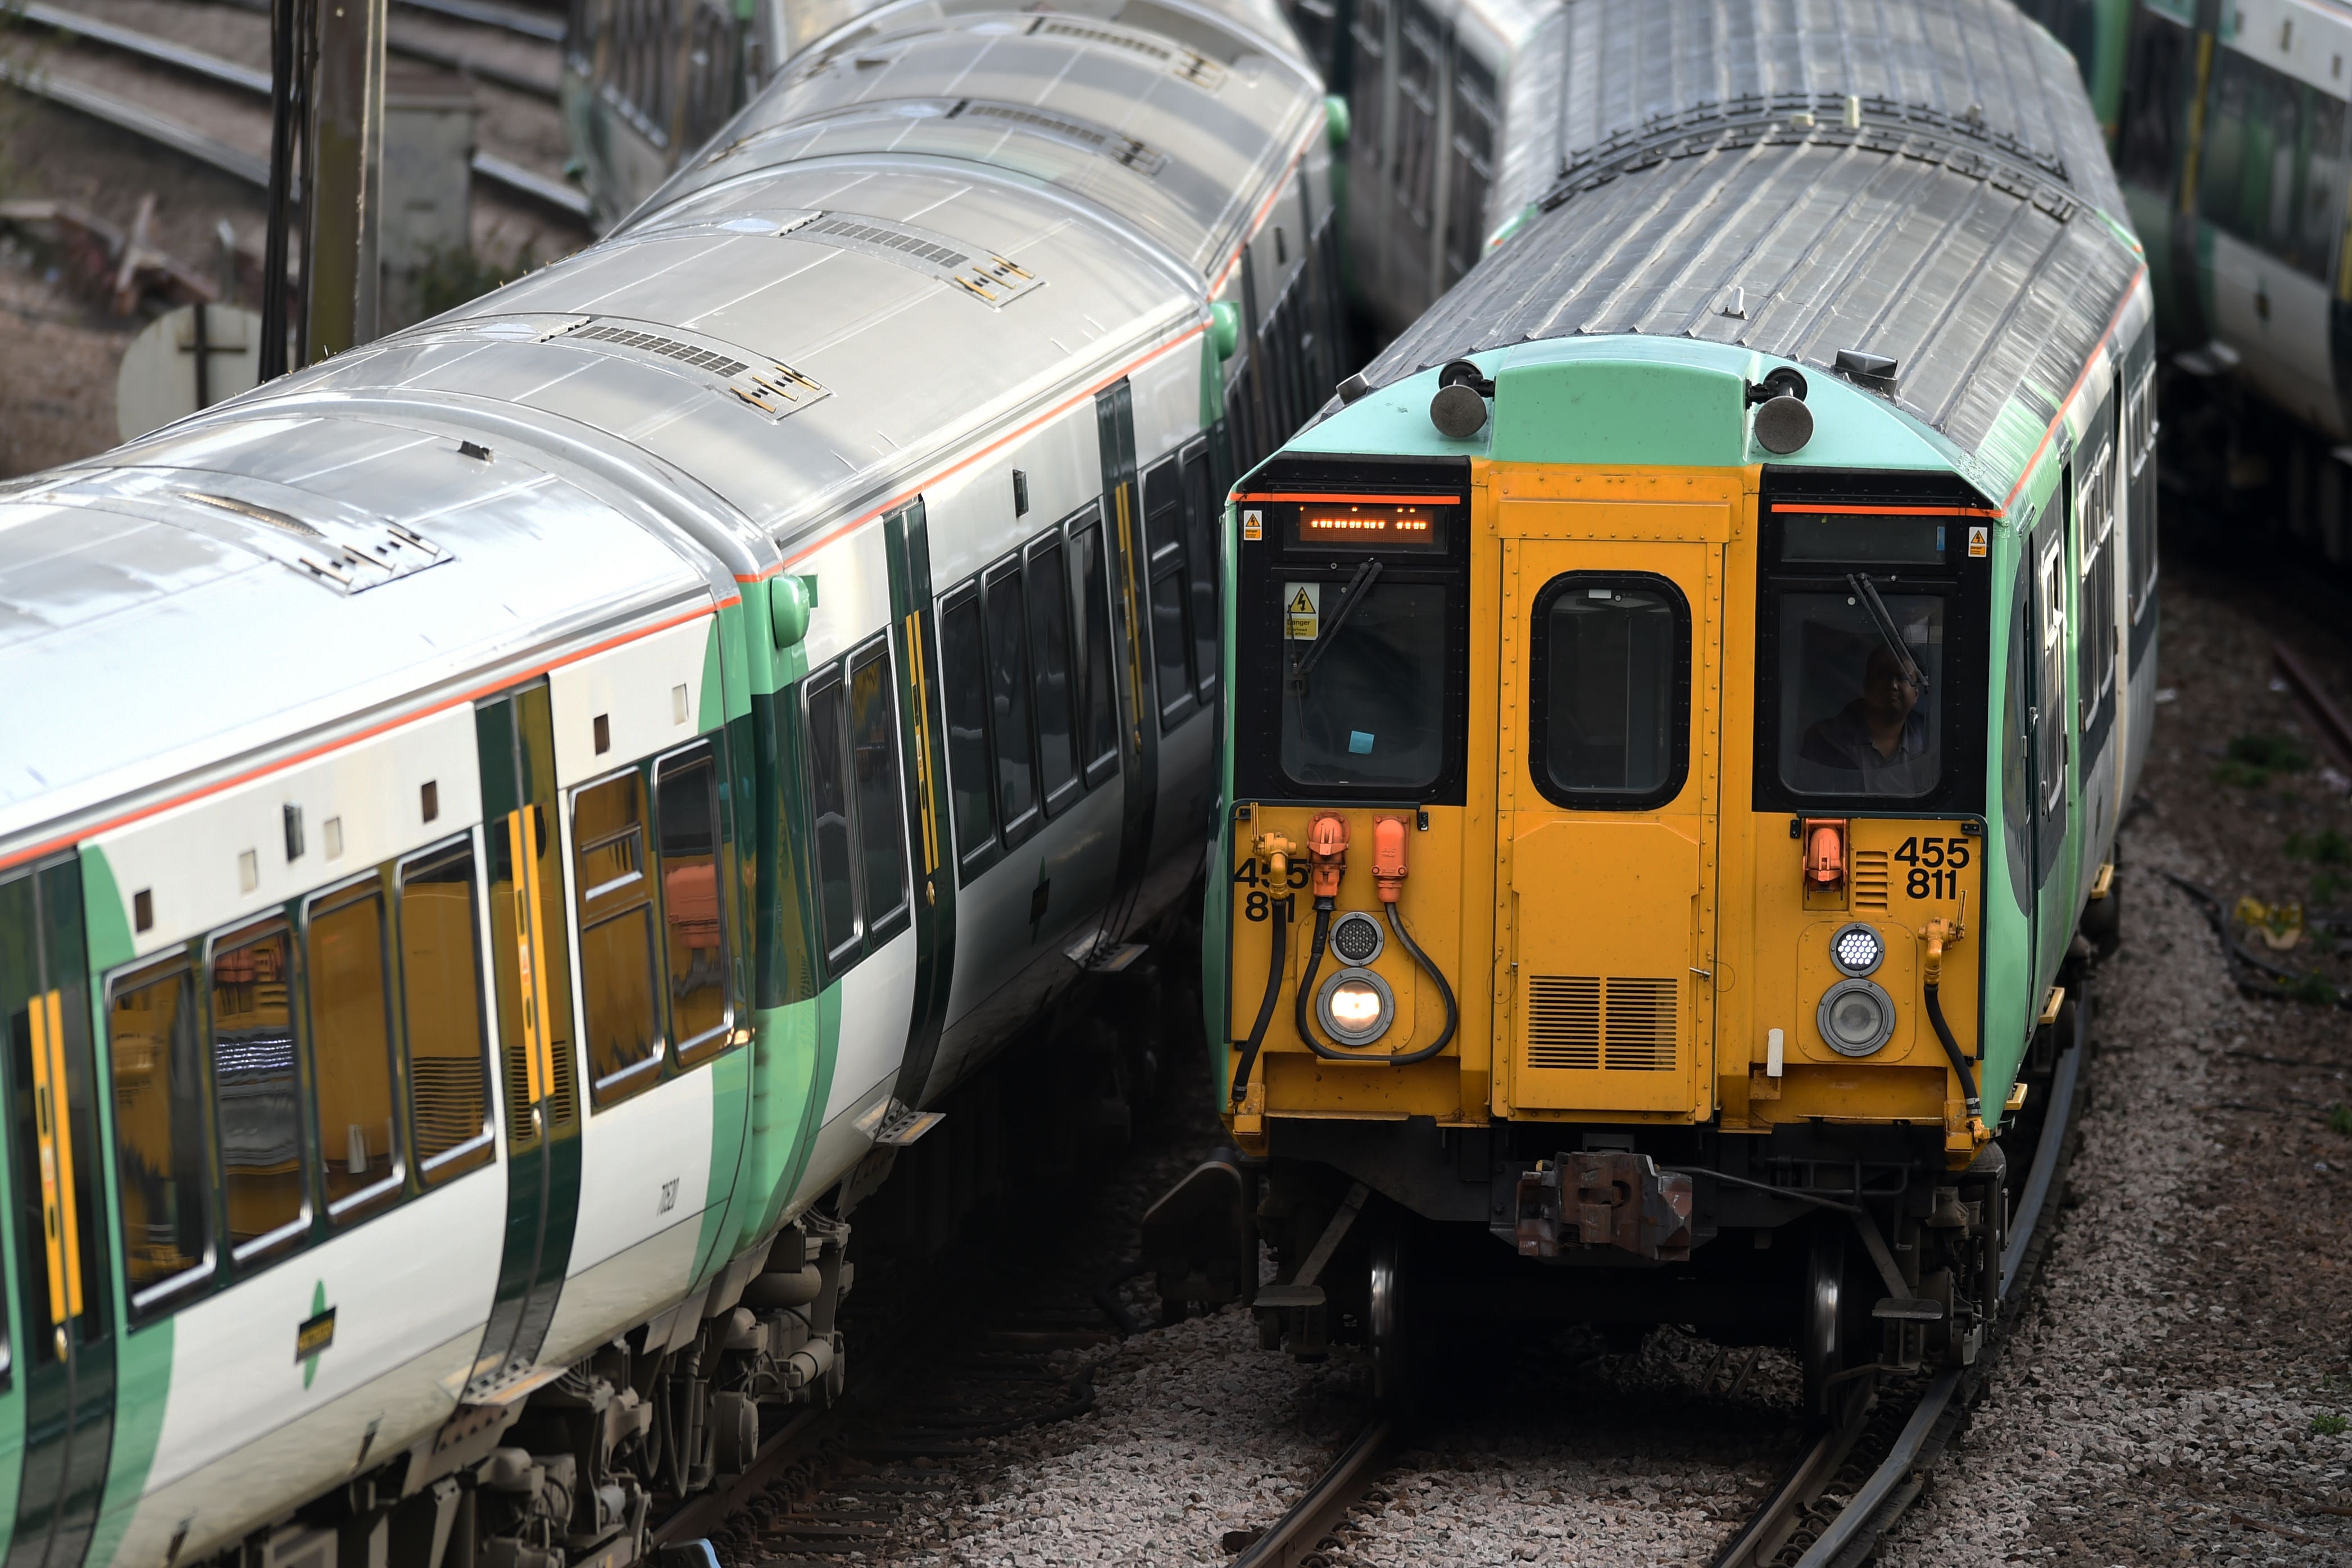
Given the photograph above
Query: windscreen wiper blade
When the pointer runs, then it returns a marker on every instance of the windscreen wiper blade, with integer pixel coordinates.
(1864, 591)
(1357, 586)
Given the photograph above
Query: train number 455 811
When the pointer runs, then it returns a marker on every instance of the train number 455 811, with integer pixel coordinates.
(1935, 866)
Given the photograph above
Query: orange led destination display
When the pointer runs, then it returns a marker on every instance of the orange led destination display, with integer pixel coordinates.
(1371, 525)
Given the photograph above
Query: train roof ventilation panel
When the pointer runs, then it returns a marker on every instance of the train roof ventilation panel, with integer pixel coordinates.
(992, 279)
(766, 385)
(1099, 140)
(1190, 64)
(326, 539)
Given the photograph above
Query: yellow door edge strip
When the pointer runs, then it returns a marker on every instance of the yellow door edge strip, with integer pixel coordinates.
(523, 846)
(54, 1131)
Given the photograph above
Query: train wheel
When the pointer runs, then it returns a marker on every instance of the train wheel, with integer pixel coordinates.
(1384, 1326)
(1826, 1340)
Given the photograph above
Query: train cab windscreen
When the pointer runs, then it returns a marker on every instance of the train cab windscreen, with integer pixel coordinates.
(1350, 629)
(1869, 610)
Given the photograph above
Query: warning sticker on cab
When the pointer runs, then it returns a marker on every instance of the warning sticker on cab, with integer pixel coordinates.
(1253, 523)
(1302, 611)
(1980, 541)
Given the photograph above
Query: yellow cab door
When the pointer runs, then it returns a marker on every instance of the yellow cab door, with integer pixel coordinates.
(1607, 800)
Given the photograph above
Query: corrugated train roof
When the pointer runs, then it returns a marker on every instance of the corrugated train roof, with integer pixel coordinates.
(1956, 229)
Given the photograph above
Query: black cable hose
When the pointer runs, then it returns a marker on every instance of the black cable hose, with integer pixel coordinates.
(1952, 1050)
(1452, 1013)
(1280, 917)
(1307, 985)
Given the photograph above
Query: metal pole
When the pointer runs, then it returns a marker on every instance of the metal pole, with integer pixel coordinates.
(343, 202)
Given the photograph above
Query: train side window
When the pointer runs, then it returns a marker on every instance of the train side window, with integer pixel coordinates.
(881, 807)
(2052, 733)
(441, 1006)
(2154, 91)
(2141, 532)
(1474, 165)
(1608, 723)
(1171, 646)
(828, 743)
(2273, 168)
(346, 963)
(1010, 725)
(963, 680)
(256, 1097)
(1100, 734)
(693, 913)
(2016, 742)
(163, 1184)
(1049, 663)
(616, 908)
(1203, 519)
(1417, 61)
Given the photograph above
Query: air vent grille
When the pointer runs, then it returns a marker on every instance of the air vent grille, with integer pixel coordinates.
(1115, 145)
(766, 385)
(718, 365)
(1190, 64)
(1564, 1023)
(1640, 1027)
(984, 275)
(1869, 879)
(1581, 1023)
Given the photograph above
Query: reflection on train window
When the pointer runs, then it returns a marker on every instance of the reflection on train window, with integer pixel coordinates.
(1008, 690)
(1370, 711)
(2016, 737)
(694, 944)
(351, 1047)
(256, 1095)
(2275, 163)
(1049, 663)
(881, 809)
(441, 996)
(617, 935)
(836, 890)
(162, 1185)
(1203, 509)
(1172, 643)
(1101, 731)
(1853, 719)
(1610, 723)
(964, 673)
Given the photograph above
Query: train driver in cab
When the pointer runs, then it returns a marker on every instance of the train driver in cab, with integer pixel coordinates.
(1878, 743)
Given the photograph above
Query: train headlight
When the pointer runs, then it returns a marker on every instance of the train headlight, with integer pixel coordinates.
(1856, 950)
(1856, 1016)
(1355, 1007)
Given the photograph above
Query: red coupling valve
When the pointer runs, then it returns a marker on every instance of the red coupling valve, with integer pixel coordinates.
(1824, 851)
(1388, 858)
(1327, 846)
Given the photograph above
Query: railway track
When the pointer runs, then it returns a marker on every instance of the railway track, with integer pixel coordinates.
(1843, 1492)
(234, 137)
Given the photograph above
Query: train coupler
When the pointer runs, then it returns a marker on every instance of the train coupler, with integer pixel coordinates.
(1609, 1198)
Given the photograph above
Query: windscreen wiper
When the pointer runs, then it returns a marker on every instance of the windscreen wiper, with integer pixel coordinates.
(1352, 595)
(1911, 673)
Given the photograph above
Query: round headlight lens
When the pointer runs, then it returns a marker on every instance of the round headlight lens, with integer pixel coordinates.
(1355, 1007)
(1856, 949)
(1856, 1016)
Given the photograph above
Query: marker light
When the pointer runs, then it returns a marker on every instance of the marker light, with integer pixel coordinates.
(1856, 949)
(1355, 1007)
(1356, 938)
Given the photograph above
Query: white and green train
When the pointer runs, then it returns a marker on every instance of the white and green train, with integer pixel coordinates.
(503, 832)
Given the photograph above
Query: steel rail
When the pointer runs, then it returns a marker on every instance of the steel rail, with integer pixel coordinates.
(1770, 1526)
(180, 137)
(250, 167)
(1289, 1539)
(452, 59)
(489, 14)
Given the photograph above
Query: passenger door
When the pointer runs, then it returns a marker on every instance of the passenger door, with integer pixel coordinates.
(532, 967)
(64, 1356)
(1606, 791)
